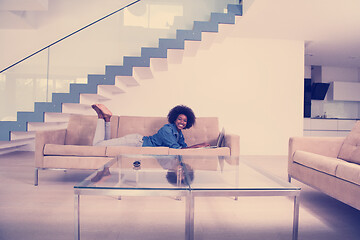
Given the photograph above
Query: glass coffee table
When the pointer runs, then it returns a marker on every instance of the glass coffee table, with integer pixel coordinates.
(185, 177)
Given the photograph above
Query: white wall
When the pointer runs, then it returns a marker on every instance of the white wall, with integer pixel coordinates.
(316, 74)
(339, 74)
(307, 71)
(255, 87)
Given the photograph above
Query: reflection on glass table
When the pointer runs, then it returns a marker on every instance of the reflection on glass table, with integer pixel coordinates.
(183, 176)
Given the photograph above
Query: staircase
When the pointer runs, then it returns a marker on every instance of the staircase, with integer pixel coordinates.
(116, 80)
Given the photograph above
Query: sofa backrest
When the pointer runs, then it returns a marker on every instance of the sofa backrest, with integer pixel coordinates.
(81, 129)
(145, 126)
(350, 150)
(206, 129)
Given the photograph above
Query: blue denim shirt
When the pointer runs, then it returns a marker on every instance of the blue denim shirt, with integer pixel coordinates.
(167, 136)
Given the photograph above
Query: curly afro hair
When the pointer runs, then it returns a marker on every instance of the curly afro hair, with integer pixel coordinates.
(181, 109)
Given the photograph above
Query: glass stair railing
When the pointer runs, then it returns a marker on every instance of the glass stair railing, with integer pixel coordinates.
(61, 73)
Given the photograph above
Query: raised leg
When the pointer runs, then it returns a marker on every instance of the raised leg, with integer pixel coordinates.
(102, 111)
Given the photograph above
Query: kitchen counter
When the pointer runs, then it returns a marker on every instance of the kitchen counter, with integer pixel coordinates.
(336, 118)
(329, 127)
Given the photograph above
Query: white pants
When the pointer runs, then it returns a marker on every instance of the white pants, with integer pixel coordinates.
(103, 133)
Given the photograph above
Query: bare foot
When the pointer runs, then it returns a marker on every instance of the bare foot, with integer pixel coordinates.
(102, 111)
(98, 111)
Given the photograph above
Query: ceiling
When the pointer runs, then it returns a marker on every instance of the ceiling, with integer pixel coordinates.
(329, 28)
(14, 13)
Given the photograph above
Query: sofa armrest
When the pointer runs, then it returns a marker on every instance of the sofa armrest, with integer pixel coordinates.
(47, 137)
(326, 146)
(233, 142)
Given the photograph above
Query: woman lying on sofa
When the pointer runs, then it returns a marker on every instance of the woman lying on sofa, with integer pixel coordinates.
(180, 117)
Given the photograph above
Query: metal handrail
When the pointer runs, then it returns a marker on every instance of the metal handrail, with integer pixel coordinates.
(79, 30)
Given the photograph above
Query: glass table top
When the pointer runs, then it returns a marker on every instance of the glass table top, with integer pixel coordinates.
(170, 172)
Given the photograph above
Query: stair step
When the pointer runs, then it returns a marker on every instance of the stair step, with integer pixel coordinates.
(29, 135)
(92, 98)
(175, 56)
(191, 48)
(9, 146)
(143, 73)
(111, 89)
(129, 81)
(35, 126)
(208, 39)
(226, 29)
(57, 117)
(159, 64)
(76, 108)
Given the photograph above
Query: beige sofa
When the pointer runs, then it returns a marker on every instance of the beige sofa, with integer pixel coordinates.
(329, 164)
(71, 148)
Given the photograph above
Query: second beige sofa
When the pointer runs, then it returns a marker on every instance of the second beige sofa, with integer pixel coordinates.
(329, 164)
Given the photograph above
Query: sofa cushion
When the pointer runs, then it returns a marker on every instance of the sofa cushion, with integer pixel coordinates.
(75, 162)
(350, 150)
(74, 150)
(222, 151)
(81, 129)
(349, 171)
(321, 163)
(116, 150)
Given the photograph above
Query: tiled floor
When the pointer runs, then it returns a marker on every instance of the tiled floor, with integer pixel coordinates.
(47, 211)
